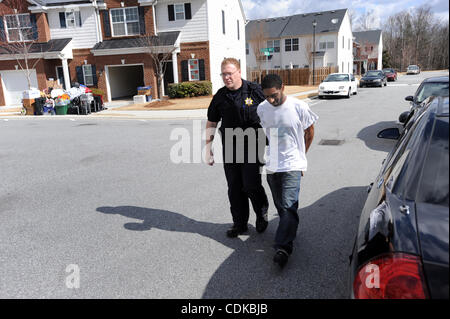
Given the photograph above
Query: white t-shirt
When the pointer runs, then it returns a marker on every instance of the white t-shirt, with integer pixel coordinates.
(284, 126)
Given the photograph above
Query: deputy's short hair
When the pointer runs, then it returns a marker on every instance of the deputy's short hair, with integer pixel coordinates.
(272, 81)
(233, 61)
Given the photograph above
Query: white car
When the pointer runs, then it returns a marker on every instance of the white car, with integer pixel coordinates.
(338, 84)
(413, 69)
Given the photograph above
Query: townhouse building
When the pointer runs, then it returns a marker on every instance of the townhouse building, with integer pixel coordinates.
(291, 39)
(104, 44)
(368, 51)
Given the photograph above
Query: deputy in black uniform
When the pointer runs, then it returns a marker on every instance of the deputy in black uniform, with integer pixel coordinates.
(235, 105)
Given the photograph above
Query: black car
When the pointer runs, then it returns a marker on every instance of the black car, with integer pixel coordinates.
(401, 248)
(435, 86)
(373, 78)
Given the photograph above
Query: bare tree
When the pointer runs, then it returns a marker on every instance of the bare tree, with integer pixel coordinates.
(258, 41)
(366, 21)
(160, 53)
(19, 38)
(416, 37)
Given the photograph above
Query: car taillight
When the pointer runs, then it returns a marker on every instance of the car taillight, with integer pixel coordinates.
(391, 276)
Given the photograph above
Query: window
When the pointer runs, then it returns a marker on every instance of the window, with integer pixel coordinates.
(238, 31)
(287, 45)
(194, 70)
(70, 19)
(247, 48)
(343, 42)
(19, 27)
(223, 22)
(277, 67)
(179, 12)
(275, 44)
(88, 75)
(330, 45)
(125, 21)
(295, 66)
(295, 44)
(322, 45)
(291, 44)
(349, 44)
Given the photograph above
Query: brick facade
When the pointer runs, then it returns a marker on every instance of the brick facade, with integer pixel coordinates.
(201, 51)
(46, 69)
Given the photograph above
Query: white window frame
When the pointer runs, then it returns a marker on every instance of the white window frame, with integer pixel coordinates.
(179, 12)
(85, 76)
(271, 44)
(322, 45)
(293, 44)
(124, 21)
(18, 28)
(194, 69)
(330, 46)
(287, 45)
(76, 18)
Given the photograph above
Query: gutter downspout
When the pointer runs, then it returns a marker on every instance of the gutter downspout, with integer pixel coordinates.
(154, 15)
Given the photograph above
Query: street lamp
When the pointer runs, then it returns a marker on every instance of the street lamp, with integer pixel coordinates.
(314, 50)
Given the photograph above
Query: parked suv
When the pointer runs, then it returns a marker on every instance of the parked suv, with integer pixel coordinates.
(401, 249)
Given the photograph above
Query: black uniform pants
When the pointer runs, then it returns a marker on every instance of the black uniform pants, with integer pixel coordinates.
(244, 183)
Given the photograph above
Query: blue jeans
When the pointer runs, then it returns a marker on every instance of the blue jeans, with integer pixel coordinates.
(285, 187)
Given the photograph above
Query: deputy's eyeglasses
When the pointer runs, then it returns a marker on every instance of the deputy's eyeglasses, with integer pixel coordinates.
(225, 75)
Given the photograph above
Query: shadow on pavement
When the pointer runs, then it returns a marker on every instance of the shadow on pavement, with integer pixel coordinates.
(369, 136)
(318, 267)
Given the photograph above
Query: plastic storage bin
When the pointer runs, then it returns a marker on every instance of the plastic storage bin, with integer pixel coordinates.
(61, 109)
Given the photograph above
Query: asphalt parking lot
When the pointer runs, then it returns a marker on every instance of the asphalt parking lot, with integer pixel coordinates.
(103, 196)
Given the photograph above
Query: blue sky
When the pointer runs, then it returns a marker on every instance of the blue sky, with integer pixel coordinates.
(257, 9)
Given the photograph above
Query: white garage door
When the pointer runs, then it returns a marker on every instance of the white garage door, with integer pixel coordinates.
(14, 83)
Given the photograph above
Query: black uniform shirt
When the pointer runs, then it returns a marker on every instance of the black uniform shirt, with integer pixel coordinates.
(236, 109)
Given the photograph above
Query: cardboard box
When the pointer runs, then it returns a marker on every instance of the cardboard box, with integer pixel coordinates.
(27, 102)
(53, 84)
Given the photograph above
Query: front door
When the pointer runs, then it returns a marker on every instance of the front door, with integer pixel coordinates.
(60, 76)
(168, 76)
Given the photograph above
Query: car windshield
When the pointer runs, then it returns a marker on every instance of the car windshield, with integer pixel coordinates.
(373, 73)
(337, 78)
(413, 67)
(429, 89)
(388, 70)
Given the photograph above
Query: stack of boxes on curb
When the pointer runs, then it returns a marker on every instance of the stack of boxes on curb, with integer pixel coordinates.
(28, 100)
(144, 95)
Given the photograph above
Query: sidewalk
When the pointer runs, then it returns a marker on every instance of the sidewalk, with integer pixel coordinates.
(188, 108)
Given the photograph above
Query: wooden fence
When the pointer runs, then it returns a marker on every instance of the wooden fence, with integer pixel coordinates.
(295, 76)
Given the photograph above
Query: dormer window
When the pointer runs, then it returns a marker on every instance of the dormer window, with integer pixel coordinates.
(125, 21)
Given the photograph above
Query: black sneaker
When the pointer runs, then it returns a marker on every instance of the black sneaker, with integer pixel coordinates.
(281, 257)
(261, 223)
(235, 231)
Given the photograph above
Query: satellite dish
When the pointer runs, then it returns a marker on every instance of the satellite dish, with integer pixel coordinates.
(334, 21)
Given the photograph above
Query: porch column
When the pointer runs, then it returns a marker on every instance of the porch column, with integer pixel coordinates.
(175, 67)
(65, 67)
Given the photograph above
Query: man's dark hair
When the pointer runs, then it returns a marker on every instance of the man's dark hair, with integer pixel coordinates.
(271, 81)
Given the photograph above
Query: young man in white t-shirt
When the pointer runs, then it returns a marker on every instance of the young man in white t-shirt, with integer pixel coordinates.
(289, 126)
